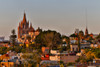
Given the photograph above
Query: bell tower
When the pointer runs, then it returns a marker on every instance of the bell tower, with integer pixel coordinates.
(23, 27)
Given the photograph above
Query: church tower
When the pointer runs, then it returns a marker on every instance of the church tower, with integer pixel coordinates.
(86, 31)
(24, 27)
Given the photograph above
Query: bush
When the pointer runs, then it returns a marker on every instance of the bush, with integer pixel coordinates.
(70, 63)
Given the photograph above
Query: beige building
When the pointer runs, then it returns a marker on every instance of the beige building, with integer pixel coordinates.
(95, 45)
(55, 58)
(74, 47)
(65, 57)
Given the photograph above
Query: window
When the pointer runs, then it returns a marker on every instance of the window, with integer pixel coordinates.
(76, 49)
(73, 49)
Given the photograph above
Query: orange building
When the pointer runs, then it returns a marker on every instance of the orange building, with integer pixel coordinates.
(7, 64)
(5, 56)
(45, 51)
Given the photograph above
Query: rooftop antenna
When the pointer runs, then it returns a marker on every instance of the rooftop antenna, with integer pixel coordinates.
(86, 31)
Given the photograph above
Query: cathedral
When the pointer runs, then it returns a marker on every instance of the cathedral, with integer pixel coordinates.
(25, 29)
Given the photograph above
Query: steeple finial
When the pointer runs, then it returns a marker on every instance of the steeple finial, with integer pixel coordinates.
(30, 24)
(24, 17)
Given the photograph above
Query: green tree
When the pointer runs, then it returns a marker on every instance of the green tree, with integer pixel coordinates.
(49, 38)
(97, 54)
(73, 35)
(81, 59)
(70, 63)
(13, 38)
(17, 49)
(98, 37)
(32, 60)
(67, 41)
(3, 50)
(81, 34)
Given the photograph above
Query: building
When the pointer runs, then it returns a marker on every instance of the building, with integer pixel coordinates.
(45, 50)
(2, 38)
(4, 57)
(85, 45)
(74, 47)
(45, 53)
(64, 56)
(7, 64)
(5, 43)
(25, 29)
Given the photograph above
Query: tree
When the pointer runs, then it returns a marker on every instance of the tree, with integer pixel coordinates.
(73, 35)
(97, 54)
(81, 34)
(28, 38)
(90, 54)
(49, 38)
(67, 40)
(98, 37)
(70, 64)
(37, 57)
(61, 65)
(3, 50)
(17, 49)
(82, 59)
(13, 37)
(32, 60)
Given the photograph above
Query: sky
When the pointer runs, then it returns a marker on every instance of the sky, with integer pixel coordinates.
(64, 16)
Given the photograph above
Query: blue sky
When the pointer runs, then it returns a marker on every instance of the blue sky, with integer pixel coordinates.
(63, 16)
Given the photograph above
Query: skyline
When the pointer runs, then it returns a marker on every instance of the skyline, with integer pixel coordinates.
(63, 16)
